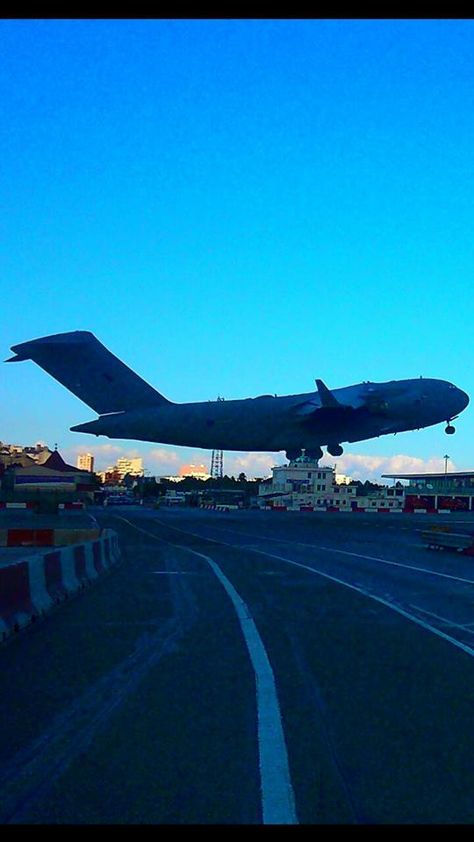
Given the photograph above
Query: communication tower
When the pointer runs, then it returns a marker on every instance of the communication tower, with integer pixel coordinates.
(217, 464)
(217, 459)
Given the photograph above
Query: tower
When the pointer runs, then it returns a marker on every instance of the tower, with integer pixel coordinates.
(217, 459)
(217, 464)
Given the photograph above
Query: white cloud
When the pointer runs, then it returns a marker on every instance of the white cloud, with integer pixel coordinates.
(104, 454)
(161, 461)
(252, 464)
(363, 467)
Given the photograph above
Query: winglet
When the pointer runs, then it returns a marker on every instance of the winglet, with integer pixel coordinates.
(326, 396)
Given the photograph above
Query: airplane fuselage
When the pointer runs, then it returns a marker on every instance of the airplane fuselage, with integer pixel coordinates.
(270, 423)
(129, 408)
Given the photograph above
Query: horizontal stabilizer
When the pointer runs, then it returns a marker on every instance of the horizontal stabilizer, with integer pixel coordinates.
(81, 363)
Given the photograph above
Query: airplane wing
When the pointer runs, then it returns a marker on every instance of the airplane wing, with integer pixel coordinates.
(326, 406)
(81, 363)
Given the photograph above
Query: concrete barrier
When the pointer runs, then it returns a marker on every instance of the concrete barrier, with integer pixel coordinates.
(30, 588)
(26, 537)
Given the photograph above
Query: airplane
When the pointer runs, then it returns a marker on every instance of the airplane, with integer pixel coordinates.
(129, 408)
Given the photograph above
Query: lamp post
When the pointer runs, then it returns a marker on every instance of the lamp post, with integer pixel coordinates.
(446, 457)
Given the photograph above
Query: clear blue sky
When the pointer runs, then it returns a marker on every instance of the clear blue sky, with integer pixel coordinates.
(238, 207)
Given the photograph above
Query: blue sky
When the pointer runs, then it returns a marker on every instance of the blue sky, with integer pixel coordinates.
(238, 207)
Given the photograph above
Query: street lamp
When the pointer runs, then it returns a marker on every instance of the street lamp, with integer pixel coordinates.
(446, 457)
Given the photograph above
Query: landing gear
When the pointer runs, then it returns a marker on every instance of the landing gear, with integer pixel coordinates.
(450, 429)
(335, 449)
(291, 455)
(315, 453)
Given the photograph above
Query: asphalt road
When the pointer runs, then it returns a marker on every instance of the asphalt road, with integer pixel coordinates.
(248, 668)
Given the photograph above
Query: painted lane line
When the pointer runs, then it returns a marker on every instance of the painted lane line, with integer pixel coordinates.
(173, 573)
(398, 564)
(444, 620)
(278, 802)
(457, 643)
(278, 805)
(343, 552)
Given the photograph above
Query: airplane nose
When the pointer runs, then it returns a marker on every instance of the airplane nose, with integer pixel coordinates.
(463, 399)
(457, 401)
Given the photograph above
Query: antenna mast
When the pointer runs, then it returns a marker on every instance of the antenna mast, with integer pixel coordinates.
(217, 459)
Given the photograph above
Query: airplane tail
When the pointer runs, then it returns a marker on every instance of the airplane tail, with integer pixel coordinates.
(81, 363)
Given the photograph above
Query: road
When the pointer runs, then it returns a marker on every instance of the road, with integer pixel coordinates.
(249, 668)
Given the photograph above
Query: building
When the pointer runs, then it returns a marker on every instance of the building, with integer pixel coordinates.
(110, 476)
(85, 462)
(431, 492)
(133, 466)
(38, 453)
(25, 480)
(196, 471)
(342, 479)
(304, 486)
(173, 498)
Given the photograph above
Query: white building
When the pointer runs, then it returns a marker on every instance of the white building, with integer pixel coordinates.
(303, 485)
(133, 466)
(342, 479)
(85, 461)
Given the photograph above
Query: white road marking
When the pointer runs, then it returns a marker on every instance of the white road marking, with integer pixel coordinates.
(278, 802)
(444, 620)
(463, 646)
(173, 573)
(344, 552)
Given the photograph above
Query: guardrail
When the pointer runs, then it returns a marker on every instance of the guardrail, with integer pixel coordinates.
(30, 588)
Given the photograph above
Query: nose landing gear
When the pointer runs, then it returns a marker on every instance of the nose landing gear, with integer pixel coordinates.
(449, 429)
(335, 449)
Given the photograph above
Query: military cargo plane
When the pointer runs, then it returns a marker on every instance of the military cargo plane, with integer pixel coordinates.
(129, 408)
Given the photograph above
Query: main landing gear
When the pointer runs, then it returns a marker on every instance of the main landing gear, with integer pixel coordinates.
(449, 429)
(314, 453)
(335, 449)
